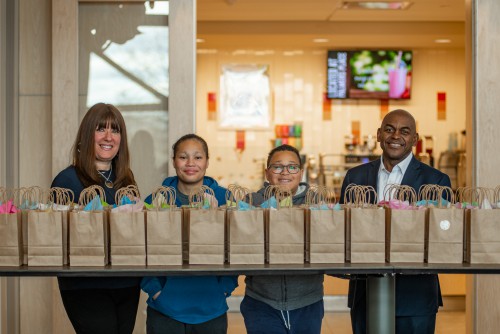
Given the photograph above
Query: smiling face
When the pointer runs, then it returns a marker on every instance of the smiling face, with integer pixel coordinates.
(190, 162)
(285, 178)
(397, 136)
(107, 143)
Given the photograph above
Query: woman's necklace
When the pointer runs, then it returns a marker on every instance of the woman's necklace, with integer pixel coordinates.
(107, 182)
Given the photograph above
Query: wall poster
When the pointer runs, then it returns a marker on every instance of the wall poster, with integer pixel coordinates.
(244, 96)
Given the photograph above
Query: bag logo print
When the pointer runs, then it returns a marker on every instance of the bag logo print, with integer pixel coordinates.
(444, 225)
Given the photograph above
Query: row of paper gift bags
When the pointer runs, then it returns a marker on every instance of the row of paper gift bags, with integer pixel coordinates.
(216, 236)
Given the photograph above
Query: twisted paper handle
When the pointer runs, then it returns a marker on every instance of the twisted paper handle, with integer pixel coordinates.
(478, 195)
(197, 197)
(360, 196)
(62, 196)
(163, 195)
(130, 191)
(89, 193)
(401, 193)
(236, 193)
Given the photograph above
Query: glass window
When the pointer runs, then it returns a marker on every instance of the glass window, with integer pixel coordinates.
(123, 60)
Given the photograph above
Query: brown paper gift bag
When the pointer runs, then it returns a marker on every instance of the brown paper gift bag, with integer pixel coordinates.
(45, 238)
(365, 225)
(128, 230)
(484, 235)
(88, 232)
(27, 199)
(482, 224)
(205, 229)
(246, 236)
(164, 229)
(327, 236)
(11, 253)
(367, 234)
(286, 229)
(445, 228)
(325, 228)
(405, 227)
(11, 243)
(245, 229)
(407, 235)
(47, 230)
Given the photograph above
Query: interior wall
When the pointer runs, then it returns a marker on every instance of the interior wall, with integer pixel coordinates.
(35, 128)
(298, 79)
(3, 35)
(485, 49)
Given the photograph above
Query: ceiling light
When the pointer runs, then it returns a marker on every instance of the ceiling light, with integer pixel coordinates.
(442, 40)
(398, 5)
(320, 40)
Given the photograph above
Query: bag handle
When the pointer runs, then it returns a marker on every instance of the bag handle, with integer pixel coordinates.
(443, 191)
(163, 195)
(62, 196)
(359, 196)
(313, 195)
(281, 194)
(329, 195)
(496, 195)
(34, 195)
(401, 193)
(270, 191)
(130, 191)
(197, 197)
(3, 194)
(236, 193)
(479, 195)
(317, 195)
(16, 194)
(89, 193)
(428, 192)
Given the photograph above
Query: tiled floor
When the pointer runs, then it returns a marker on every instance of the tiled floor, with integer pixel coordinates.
(339, 323)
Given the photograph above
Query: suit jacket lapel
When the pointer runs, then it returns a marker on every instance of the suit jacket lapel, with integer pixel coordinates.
(412, 174)
(372, 176)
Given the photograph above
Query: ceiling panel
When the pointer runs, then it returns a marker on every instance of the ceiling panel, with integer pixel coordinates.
(324, 10)
(295, 23)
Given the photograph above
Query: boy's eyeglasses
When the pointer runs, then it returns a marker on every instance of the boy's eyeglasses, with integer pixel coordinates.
(278, 169)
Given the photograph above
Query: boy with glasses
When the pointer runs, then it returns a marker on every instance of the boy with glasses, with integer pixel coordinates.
(283, 303)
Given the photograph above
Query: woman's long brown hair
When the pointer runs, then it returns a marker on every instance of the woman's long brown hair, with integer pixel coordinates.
(101, 115)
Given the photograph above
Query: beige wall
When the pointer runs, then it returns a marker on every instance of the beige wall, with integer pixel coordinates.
(39, 297)
(298, 82)
(484, 124)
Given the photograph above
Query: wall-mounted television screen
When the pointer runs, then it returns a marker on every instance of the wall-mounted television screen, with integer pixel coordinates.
(369, 74)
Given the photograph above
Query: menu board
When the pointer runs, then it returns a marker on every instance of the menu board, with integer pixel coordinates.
(369, 74)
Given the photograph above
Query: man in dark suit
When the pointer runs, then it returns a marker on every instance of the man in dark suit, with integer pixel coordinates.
(418, 297)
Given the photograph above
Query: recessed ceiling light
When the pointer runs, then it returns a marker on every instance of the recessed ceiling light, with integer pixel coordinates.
(398, 5)
(200, 40)
(442, 40)
(320, 40)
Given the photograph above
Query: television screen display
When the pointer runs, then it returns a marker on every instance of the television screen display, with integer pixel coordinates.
(369, 74)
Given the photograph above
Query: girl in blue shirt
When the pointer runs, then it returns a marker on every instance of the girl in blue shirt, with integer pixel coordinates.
(189, 304)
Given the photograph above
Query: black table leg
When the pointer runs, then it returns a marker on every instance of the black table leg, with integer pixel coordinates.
(381, 304)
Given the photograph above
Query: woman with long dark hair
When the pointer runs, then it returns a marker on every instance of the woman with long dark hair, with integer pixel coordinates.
(100, 157)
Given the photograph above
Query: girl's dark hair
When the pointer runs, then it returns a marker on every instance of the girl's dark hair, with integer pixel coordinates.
(190, 136)
(282, 148)
(101, 115)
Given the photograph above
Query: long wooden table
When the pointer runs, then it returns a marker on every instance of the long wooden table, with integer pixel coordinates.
(380, 278)
(257, 269)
